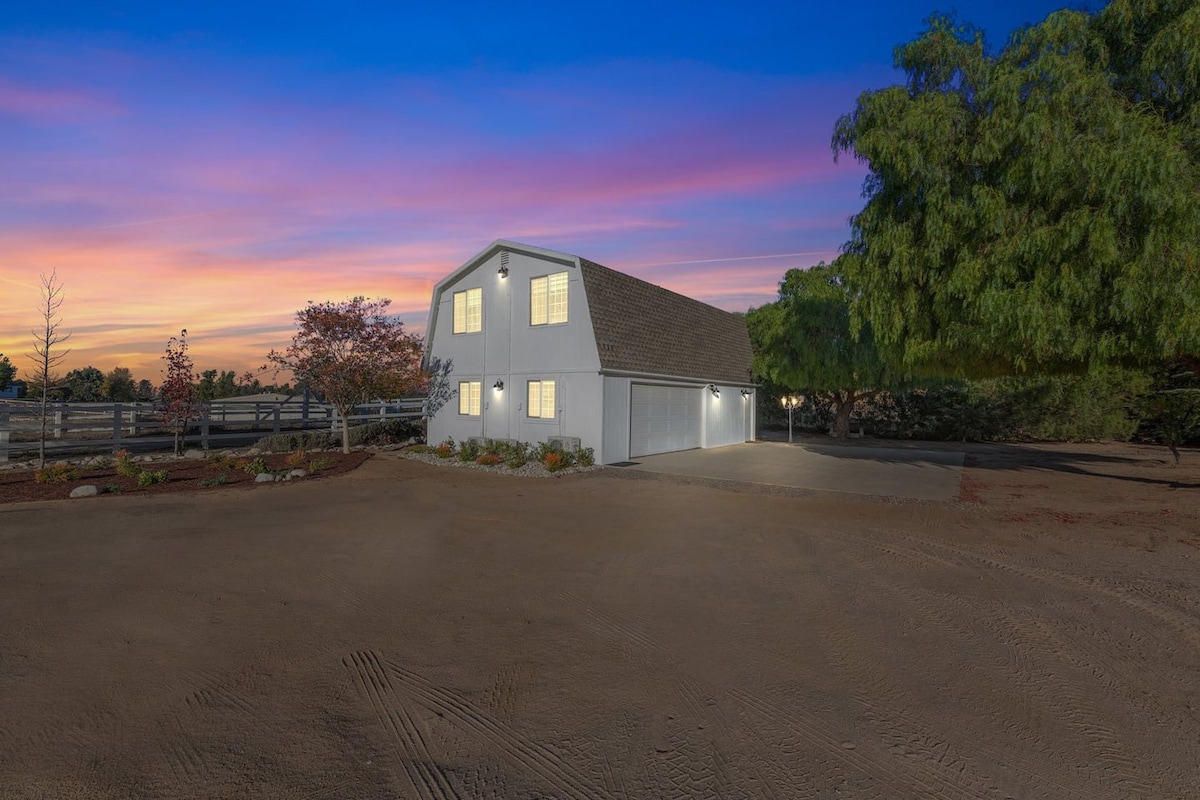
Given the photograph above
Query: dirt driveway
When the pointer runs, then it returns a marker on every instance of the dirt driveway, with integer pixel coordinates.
(420, 632)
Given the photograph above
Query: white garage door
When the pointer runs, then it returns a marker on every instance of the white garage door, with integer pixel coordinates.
(663, 419)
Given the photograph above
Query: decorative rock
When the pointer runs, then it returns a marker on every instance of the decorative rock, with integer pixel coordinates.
(85, 491)
(194, 453)
(264, 477)
(296, 473)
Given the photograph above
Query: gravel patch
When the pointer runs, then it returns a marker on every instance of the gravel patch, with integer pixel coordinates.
(531, 469)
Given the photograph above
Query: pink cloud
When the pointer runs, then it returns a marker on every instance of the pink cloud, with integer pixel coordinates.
(39, 104)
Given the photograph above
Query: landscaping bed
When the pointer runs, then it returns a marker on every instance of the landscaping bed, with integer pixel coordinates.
(158, 474)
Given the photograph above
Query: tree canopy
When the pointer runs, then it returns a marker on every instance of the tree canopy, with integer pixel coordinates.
(352, 352)
(803, 343)
(1036, 208)
(86, 384)
(7, 371)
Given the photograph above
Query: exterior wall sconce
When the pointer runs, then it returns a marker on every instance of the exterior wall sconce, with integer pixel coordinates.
(712, 387)
(745, 394)
(498, 386)
(503, 271)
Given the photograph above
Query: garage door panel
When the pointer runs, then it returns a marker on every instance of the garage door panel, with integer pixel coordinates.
(663, 419)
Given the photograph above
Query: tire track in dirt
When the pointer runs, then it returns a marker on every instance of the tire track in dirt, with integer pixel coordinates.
(1140, 667)
(426, 778)
(894, 777)
(687, 766)
(1027, 669)
(886, 705)
(532, 757)
(1188, 627)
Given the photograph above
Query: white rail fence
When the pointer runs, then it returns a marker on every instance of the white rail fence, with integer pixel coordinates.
(76, 427)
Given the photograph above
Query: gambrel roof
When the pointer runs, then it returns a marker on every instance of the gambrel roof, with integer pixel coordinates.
(640, 328)
(646, 329)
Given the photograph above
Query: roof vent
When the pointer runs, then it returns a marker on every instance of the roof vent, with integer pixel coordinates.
(504, 258)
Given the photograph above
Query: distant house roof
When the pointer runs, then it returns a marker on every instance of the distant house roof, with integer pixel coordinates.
(644, 328)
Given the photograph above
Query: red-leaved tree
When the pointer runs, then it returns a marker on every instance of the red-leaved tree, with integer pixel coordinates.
(179, 402)
(350, 353)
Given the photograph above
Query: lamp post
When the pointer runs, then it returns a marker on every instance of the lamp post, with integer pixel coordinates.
(791, 403)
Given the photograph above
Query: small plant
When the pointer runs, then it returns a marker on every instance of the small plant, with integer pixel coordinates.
(126, 465)
(296, 459)
(515, 454)
(489, 459)
(554, 460)
(152, 476)
(421, 448)
(585, 457)
(56, 473)
(469, 451)
(219, 460)
(445, 449)
(255, 467)
(215, 480)
(319, 463)
(111, 488)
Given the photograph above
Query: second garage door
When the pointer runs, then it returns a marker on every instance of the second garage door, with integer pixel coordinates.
(663, 419)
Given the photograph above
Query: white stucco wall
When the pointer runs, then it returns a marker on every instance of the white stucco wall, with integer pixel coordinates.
(510, 349)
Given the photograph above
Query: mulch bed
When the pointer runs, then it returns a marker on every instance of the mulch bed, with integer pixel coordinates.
(183, 475)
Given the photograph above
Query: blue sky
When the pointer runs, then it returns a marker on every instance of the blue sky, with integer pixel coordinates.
(214, 166)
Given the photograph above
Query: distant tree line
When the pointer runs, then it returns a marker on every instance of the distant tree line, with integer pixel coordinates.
(119, 385)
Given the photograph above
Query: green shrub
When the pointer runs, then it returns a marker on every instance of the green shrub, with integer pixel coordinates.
(215, 480)
(126, 465)
(151, 477)
(585, 457)
(387, 431)
(319, 463)
(56, 473)
(111, 488)
(299, 440)
(420, 448)
(469, 451)
(255, 467)
(219, 460)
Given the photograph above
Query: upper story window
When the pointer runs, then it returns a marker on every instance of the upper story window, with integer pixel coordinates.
(469, 393)
(468, 311)
(548, 299)
(540, 403)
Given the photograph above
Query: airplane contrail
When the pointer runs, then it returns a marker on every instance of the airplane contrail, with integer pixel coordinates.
(156, 221)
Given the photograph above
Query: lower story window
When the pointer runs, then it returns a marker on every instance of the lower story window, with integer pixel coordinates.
(541, 400)
(469, 393)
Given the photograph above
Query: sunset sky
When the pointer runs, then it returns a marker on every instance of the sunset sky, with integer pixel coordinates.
(213, 166)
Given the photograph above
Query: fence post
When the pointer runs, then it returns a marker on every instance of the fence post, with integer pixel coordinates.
(3, 435)
(275, 421)
(204, 415)
(59, 414)
(117, 419)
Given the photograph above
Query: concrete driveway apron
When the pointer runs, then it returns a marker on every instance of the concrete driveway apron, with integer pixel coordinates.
(883, 471)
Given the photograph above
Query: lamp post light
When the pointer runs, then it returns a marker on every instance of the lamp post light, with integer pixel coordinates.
(791, 403)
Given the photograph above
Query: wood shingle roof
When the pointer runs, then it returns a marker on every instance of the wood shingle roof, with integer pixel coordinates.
(643, 328)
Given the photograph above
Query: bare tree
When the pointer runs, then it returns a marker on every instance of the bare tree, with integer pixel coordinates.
(46, 354)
